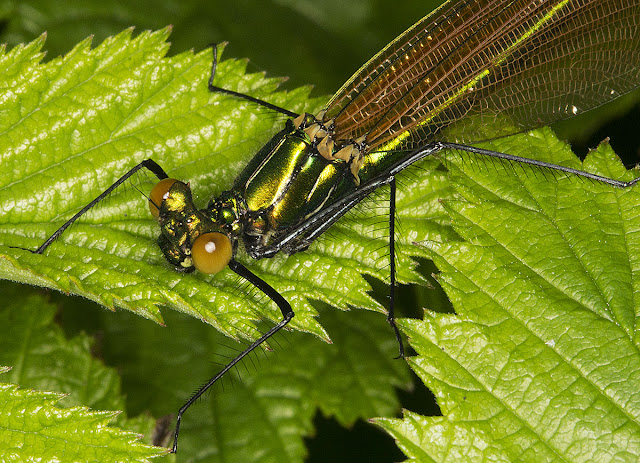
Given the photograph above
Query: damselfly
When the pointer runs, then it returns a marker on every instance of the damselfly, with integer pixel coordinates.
(470, 64)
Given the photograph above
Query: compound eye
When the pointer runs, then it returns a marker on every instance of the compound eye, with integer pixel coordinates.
(211, 252)
(159, 194)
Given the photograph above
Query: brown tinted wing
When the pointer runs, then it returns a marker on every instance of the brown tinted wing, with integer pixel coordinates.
(532, 62)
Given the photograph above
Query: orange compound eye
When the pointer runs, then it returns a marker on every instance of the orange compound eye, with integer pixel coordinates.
(211, 252)
(159, 194)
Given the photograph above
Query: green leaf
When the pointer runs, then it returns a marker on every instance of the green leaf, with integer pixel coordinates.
(540, 361)
(33, 428)
(261, 417)
(41, 357)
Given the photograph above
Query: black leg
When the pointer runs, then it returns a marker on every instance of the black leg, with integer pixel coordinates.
(258, 101)
(392, 266)
(318, 223)
(147, 164)
(287, 315)
(534, 162)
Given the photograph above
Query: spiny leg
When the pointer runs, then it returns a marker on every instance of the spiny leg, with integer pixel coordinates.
(287, 315)
(258, 101)
(392, 266)
(148, 164)
(535, 162)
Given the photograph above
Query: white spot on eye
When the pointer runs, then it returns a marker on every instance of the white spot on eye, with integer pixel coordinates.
(165, 196)
(210, 247)
(574, 109)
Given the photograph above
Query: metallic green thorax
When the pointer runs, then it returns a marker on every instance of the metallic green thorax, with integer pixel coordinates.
(284, 184)
(297, 173)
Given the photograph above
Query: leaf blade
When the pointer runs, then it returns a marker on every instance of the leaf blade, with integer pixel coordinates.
(541, 362)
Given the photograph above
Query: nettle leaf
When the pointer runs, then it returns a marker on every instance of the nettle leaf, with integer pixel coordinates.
(58, 425)
(74, 125)
(77, 123)
(540, 361)
(33, 428)
(41, 357)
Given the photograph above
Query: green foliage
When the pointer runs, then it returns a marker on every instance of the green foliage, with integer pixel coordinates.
(338, 36)
(33, 429)
(264, 415)
(540, 269)
(38, 425)
(36, 345)
(540, 362)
